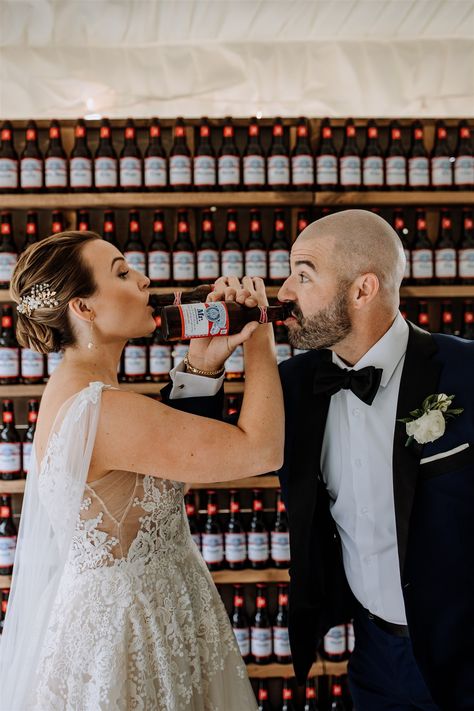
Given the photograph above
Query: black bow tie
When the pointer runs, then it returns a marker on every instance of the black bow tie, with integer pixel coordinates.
(330, 378)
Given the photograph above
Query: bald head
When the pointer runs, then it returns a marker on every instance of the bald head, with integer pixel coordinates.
(361, 242)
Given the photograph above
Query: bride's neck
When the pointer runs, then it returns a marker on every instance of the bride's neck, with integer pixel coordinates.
(99, 363)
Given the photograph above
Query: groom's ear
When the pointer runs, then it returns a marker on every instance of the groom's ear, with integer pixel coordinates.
(366, 289)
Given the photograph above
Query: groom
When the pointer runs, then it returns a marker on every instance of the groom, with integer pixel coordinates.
(380, 531)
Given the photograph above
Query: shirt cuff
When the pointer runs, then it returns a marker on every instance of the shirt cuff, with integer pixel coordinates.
(189, 385)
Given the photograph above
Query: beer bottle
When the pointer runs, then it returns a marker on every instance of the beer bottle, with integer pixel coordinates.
(204, 159)
(280, 535)
(233, 405)
(31, 162)
(175, 298)
(279, 252)
(372, 159)
(350, 637)
(278, 161)
(466, 248)
(228, 161)
(178, 352)
(80, 164)
(130, 163)
(399, 225)
(262, 696)
(232, 259)
(28, 438)
(31, 229)
(423, 316)
(254, 159)
(109, 231)
(8, 536)
(337, 702)
(184, 266)
(281, 640)
(302, 221)
(311, 703)
(156, 169)
(447, 323)
(8, 250)
(302, 159)
(467, 330)
(260, 629)
(5, 593)
(326, 160)
(52, 361)
(240, 623)
(234, 537)
(105, 161)
(235, 366)
(191, 513)
(134, 249)
(395, 160)
(159, 263)
(258, 543)
(32, 366)
(135, 360)
(287, 697)
(9, 349)
(445, 251)
(441, 164)
(207, 251)
(334, 647)
(464, 163)
(256, 251)
(418, 162)
(349, 160)
(180, 159)
(57, 222)
(9, 168)
(212, 537)
(55, 163)
(10, 445)
(422, 264)
(83, 221)
(159, 355)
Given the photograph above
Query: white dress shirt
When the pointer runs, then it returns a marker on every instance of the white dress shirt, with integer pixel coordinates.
(357, 468)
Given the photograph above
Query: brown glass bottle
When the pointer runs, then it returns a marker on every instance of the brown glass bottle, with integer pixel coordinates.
(130, 163)
(159, 355)
(155, 163)
(447, 321)
(135, 360)
(262, 696)
(240, 623)
(9, 349)
(464, 163)
(28, 437)
(212, 536)
(105, 160)
(4, 595)
(55, 162)
(109, 230)
(57, 222)
(334, 646)
(466, 248)
(256, 257)
(183, 255)
(395, 160)
(8, 250)
(258, 537)
(31, 229)
(260, 630)
(10, 445)
(326, 160)
(207, 254)
(467, 329)
(302, 159)
(281, 640)
(422, 265)
(445, 251)
(279, 251)
(232, 258)
(423, 316)
(399, 225)
(9, 167)
(441, 163)
(418, 161)
(134, 250)
(8, 535)
(192, 515)
(31, 162)
(80, 163)
(228, 161)
(280, 536)
(180, 160)
(204, 161)
(350, 173)
(372, 159)
(83, 221)
(287, 696)
(159, 258)
(254, 177)
(234, 536)
(311, 703)
(278, 160)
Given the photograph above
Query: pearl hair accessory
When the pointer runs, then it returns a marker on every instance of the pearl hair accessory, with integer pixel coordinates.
(39, 297)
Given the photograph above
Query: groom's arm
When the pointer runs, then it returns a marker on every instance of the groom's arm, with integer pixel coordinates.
(195, 394)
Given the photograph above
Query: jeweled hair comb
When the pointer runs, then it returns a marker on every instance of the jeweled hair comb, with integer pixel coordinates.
(40, 296)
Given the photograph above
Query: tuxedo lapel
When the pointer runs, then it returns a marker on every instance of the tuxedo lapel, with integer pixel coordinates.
(420, 378)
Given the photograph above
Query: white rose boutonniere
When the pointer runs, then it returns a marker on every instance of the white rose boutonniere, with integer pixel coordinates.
(428, 423)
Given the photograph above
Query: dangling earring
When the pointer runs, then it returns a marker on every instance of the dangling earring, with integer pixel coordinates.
(90, 345)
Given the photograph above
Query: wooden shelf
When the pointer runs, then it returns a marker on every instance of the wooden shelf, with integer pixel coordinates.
(269, 575)
(5, 581)
(12, 487)
(402, 198)
(286, 671)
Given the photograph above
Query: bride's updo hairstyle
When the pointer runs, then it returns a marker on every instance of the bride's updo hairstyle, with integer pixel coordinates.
(54, 264)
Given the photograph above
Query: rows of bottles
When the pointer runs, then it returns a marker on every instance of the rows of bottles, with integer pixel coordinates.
(400, 161)
(319, 694)
(188, 259)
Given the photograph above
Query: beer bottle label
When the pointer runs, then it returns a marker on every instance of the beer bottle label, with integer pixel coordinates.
(326, 170)
(396, 170)
(55, 172)
(441, 171)
(261, 642)
(466, 263)
(197, 539)
(8, 261)
(235, 547)
(464, 170)
(203, 320)
(208, 264)
(232, 263)
(335, 641)
(254, 170)
(350, 170)
(31, 173)
(407, 264)
(135, 360)
(180, 170)
(258, 547)
(155, 172)
(350, 637)
(7, 551)
(445, 263)
(205, 171)
(106, 174)
(8, 174)
(299, 351)
(278, 170)
(136, 260)
(80, 172)
(256, 263)
(32, 364)
(279, 263)
(372, 171)
(280, 547)
(281, 642)
(242, 635)
(130, 172)
(10, 458)
(418, 172)
(228, 170)
(422, 264)
(9, 362)
(27, 449)
(159, 265)
(212, 547)
(302, 170)
(183, 266)
(160, 359)
(235, 362)
(54, 360)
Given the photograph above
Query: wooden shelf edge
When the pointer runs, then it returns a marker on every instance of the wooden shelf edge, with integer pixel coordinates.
(254, 482)
(286, 671)
(401, 198)
(269, 575)
(16, 486)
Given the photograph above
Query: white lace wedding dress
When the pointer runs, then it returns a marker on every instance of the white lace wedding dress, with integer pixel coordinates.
(137, 623)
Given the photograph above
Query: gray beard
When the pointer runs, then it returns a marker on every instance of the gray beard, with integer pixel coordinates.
(324, 329)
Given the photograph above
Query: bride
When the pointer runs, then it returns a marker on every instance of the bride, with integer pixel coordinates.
(112, 606)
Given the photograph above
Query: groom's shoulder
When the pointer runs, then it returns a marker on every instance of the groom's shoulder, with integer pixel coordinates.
(454, 349)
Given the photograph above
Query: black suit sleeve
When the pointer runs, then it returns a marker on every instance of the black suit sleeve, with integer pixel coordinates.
(211, 406)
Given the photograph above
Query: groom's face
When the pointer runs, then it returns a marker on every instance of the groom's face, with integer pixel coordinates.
(321, 316)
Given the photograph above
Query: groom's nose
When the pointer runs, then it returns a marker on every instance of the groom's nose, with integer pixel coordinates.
(286, 292)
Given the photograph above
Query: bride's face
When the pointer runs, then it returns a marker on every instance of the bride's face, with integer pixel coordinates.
(120, 304)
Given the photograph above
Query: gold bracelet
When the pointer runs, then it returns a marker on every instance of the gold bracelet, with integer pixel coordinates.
(196, 371)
